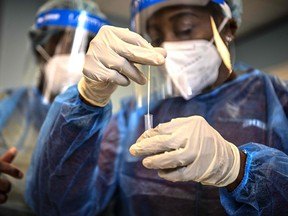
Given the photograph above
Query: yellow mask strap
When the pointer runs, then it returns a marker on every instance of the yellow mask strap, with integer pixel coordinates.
(221, 47)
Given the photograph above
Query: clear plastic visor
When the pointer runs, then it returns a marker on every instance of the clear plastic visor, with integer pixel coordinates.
(161, 84)
(59, 43)
(61, 61)
(143, 10)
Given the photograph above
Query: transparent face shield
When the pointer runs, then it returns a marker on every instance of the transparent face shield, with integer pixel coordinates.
(59, 54)
(161, 84)
(157, 88)
(61, 62)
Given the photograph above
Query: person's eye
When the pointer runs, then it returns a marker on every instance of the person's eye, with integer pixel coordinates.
(184, 25)
(184, 32)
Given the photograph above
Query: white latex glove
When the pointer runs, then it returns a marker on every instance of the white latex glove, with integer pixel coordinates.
(109, 62)
(189, 149)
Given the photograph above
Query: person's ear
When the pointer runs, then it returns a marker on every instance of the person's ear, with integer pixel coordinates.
(230, 31)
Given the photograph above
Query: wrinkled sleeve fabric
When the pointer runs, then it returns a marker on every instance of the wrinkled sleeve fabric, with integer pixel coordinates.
(64, 169)
(264, 188)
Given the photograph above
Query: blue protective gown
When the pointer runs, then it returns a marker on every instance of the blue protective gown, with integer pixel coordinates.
(22, 113)
(82, 163)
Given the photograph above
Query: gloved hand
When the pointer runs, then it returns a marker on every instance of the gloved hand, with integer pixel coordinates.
(7, 168)
(109, 62)
(189, 149)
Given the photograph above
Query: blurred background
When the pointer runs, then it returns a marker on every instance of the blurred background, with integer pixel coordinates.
(262, 40)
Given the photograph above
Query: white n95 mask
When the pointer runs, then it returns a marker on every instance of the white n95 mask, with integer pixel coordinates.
(62, 71)
(192, 65)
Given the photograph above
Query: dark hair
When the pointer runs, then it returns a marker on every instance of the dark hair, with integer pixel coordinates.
(216, 11)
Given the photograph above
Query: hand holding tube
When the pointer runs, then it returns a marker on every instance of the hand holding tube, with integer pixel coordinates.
(109, 62)
(189, 149)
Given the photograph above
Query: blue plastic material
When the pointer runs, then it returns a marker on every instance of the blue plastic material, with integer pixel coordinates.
(137, 6)
(71, 18)
(218, 1)
(82, 167)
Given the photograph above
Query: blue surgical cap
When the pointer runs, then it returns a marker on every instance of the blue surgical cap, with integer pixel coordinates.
(138, 6)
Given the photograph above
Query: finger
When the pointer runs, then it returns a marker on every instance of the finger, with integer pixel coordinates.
(131, 37)
(168, 160)
(126, 69)
(136, 49)
(157, 144)
(9, 155)
(153, 145)
(11, 170)
(127, 44)
(173, 175)
(161, 51)
(149, 133)
(111, 67)
(3, 198)
(5, 185)
(133, 73)
(141, 55)
(163, 128)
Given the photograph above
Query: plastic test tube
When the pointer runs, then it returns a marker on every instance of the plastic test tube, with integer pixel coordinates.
(148, 117)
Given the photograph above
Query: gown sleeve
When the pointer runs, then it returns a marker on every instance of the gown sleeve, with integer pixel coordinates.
(64, 167)
(264, 188)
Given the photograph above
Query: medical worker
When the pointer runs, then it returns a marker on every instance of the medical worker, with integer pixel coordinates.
(59, 40)
(220, 141)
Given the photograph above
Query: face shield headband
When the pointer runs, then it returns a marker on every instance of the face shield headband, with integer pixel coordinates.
(70, 18)
(141, 10)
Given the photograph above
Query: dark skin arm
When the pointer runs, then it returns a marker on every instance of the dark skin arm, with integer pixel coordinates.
(240, 176)
(7, 168)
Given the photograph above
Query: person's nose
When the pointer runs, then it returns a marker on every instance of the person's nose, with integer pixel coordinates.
(169, 36)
